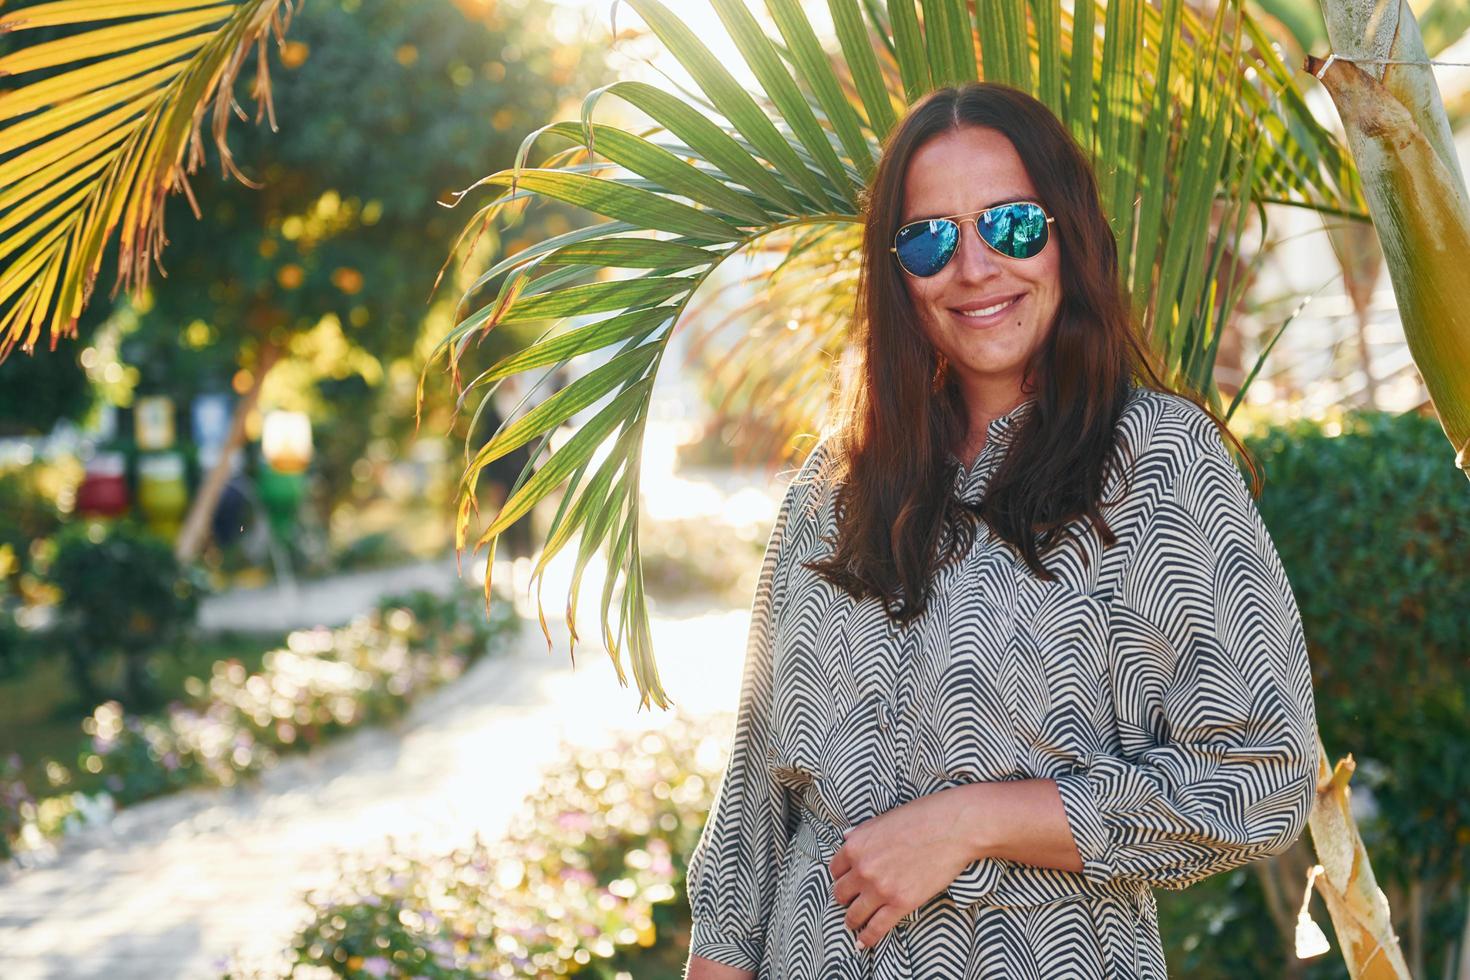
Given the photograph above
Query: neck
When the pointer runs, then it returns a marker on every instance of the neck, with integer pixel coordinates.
(984, 405)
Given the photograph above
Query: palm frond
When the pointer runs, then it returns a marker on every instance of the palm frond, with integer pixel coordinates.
(110, 125)
(1192, 120)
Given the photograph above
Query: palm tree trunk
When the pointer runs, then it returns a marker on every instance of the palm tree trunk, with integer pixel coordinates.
(1399, 135)
(195, 531)
(1361, 257)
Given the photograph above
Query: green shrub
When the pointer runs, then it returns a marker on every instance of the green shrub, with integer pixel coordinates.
(378, 549)
(18, 649)
(459, 618)
(1371, 523)
(122, 592)
(28, 518)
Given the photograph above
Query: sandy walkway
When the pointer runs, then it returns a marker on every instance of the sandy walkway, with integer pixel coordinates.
(175, 884)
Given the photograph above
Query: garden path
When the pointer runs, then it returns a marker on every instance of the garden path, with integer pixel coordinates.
(331, 601)
(172, 886)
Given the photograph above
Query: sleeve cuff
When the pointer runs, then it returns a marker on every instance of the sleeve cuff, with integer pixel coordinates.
(977, 881)
(708, 942)
(1085, 821)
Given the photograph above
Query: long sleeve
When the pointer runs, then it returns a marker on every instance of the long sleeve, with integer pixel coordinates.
(731, 881)
(1209, 675)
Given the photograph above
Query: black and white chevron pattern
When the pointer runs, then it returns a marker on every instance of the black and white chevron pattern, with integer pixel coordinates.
(1162, 683)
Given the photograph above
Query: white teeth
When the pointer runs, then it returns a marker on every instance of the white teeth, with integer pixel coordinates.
(988, 310)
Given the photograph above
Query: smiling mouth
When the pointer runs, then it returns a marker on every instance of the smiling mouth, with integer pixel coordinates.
(989, 312)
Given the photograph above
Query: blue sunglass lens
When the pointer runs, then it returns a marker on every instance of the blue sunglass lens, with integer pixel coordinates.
(1015, 230)
(926, 246)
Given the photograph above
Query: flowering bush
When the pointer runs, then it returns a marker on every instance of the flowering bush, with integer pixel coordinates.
(321, 682)
(13, 795)
(459, 619)
(589, 878)
(684, 558)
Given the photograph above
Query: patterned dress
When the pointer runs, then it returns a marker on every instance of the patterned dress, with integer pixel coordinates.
(1163, 684)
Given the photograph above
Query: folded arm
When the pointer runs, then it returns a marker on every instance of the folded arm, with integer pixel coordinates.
(1212, 693)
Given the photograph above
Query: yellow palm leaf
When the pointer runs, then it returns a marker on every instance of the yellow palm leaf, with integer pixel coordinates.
(90, 150)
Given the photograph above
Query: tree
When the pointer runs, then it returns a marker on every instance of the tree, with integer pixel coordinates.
(382, 109)
(123, 593)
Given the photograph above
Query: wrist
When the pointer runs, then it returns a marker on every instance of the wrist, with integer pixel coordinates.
(975, 812)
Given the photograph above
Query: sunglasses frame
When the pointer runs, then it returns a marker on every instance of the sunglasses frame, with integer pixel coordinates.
(973, 217)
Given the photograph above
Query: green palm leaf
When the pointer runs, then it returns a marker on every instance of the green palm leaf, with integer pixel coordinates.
(1188, 142)
(90, 150)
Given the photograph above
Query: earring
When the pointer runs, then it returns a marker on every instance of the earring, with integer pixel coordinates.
(941, 373)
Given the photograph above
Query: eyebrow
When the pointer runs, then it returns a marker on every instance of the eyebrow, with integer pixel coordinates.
(1013, 199)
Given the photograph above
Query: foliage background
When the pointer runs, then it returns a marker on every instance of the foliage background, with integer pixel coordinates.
(1370, 523)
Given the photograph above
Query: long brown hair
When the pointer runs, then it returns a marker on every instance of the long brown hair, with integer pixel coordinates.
(897, 515)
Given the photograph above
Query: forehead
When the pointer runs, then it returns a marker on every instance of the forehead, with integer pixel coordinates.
(963, 170)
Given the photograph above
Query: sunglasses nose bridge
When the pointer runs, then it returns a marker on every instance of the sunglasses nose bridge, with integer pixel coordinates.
(980, 248)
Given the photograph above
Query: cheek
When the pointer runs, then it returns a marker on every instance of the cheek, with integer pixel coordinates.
(921, 292)
(1054, 273)
(1049, 286)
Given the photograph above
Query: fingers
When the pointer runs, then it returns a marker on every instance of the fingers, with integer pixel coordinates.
(841, 863)
(861, 912)
(867, 915)
(878, 926)
(846, 888)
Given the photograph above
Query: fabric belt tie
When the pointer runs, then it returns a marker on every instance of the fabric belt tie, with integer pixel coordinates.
(891, 959)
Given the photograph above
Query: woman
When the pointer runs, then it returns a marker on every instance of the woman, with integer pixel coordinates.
(1022, 648)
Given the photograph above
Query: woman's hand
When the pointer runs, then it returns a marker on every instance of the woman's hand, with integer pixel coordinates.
(897, 861)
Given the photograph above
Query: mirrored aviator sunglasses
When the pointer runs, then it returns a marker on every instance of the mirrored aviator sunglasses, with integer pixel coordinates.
(1017, 231)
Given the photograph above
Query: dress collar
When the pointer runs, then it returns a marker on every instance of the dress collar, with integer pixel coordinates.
(999, 430)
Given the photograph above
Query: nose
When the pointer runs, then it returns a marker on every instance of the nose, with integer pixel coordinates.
(975, 260)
